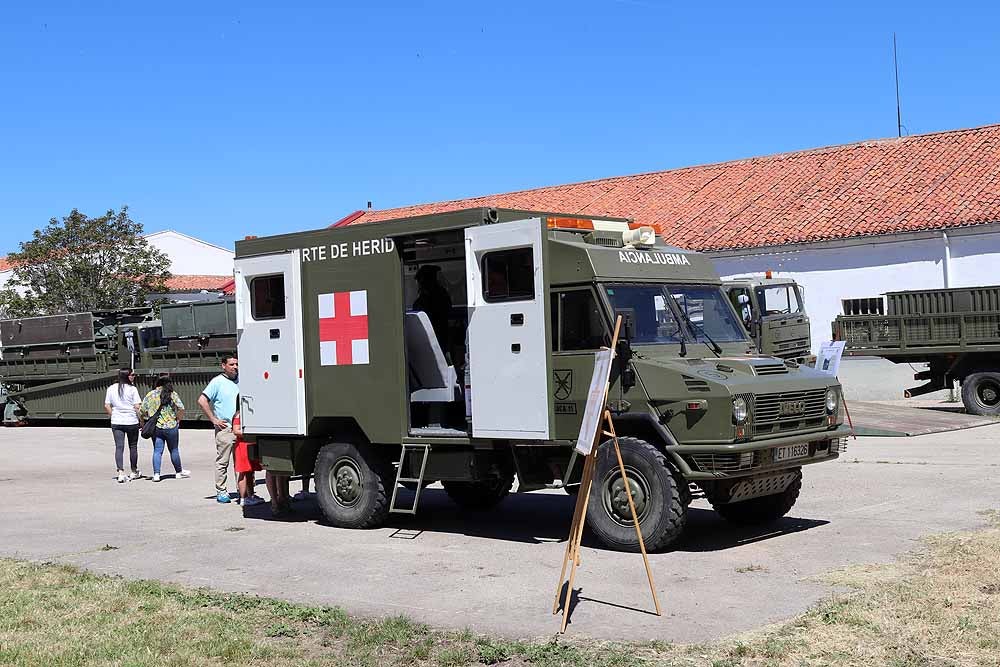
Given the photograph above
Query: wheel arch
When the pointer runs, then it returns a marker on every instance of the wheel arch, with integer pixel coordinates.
(645, 427)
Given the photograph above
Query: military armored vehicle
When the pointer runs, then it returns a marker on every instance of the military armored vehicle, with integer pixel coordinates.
(773, 312)
(58, 366)
(343, 377)
(955, 331)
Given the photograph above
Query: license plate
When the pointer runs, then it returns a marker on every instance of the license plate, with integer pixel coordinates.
(791, 452)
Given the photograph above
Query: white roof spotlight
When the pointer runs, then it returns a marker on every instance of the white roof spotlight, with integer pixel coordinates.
(644, 236)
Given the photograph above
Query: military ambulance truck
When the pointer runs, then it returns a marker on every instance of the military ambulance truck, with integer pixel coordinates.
(341, 376)
(773, 312)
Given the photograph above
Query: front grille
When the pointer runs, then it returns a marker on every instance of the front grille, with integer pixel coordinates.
(778, 413)
(727, 463)
(770, 369)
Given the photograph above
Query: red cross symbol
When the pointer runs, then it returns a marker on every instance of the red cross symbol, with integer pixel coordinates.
(343, 328)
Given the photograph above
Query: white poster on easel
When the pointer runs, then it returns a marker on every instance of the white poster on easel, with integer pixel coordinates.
(828, 358)
(595, 402)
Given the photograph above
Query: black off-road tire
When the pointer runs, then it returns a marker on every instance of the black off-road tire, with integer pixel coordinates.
(981, 393)
(763, 509)
(481, 495)
(353, 484)
(660, 495)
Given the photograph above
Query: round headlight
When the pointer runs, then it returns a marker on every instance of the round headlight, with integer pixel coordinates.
(740, 411)
(831, 400)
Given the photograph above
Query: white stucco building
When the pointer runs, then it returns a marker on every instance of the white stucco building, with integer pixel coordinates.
(845, 221)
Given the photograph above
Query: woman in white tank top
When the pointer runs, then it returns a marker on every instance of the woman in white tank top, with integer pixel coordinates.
(122, 402)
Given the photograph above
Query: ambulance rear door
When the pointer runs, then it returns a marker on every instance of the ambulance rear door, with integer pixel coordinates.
(509, 337)
(269, 330)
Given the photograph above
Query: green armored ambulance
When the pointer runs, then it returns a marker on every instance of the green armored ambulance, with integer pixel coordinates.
(459, 348)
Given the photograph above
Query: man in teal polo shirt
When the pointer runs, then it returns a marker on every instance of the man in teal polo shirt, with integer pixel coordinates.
(218, 402)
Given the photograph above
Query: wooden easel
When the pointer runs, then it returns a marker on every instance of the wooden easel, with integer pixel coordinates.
(605, 427)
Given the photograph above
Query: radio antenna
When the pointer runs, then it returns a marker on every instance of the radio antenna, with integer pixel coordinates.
(895, 66)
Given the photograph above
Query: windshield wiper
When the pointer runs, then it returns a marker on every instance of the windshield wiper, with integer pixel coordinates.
(714, 347)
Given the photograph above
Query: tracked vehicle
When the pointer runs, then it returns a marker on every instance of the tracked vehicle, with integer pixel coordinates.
(342, 377)
(57, 367)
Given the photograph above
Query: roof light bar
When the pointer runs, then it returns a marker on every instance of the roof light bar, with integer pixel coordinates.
(558, 222)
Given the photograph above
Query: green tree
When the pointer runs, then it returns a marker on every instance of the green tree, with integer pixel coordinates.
(79, 264)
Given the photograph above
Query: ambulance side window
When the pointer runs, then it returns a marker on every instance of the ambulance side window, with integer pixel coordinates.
(576, 321)
(509, 275)
(267, 294)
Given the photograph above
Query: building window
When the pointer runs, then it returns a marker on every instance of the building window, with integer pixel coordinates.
(509, 275)
(267, 294)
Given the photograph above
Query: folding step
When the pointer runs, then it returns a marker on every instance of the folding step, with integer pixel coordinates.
(419, 480)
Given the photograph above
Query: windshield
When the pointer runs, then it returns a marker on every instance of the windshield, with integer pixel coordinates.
(654, 310)
(779, 300)
(151, 337)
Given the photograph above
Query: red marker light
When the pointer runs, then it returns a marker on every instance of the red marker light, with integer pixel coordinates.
(265, 375)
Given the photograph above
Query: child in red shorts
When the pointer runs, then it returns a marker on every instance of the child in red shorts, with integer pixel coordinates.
(244, 465)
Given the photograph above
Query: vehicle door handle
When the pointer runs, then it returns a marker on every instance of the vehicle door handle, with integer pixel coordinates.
(515, 347)
(517, 319)
(275, 333)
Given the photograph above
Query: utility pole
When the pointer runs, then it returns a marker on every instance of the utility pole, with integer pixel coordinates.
(895, 66)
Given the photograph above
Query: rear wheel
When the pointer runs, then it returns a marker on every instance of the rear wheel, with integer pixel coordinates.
(352, 484)
(981, 393)
(660, 497)
(763, 509)
(482, 494)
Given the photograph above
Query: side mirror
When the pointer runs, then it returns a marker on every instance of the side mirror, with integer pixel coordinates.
(623, 359)
(627, 331)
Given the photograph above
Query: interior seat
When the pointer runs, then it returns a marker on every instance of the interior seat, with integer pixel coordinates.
(432, 380)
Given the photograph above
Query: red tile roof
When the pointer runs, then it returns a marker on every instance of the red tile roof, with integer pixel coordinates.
(885, 186)
(5, 265)
(197, 283)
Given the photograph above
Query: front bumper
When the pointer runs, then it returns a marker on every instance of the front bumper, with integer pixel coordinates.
(725, 460)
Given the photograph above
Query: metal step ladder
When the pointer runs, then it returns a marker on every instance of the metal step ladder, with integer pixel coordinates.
(419, 479)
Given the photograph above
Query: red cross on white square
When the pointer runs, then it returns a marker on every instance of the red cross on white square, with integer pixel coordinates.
(343, 328)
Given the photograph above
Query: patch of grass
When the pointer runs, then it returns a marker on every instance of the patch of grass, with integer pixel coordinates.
(940, 606)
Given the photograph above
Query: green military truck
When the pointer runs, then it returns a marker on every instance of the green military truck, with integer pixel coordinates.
(342, 377)
(773, 312)
(57, 367)
(955, 331)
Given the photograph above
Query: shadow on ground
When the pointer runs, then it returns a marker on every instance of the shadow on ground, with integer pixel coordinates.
(539, 518)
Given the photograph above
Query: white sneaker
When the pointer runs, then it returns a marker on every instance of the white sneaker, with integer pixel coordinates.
(121, 477)
(183, 474)
(134, 475)
(156, 478)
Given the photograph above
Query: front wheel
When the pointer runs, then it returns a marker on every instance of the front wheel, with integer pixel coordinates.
(762, 509)
(660, 497)
(981, 394)
(353, 482)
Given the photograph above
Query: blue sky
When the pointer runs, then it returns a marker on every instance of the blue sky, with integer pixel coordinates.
(221, 120)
